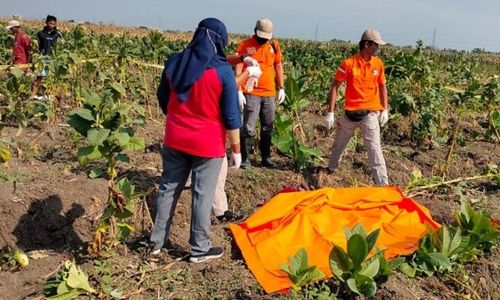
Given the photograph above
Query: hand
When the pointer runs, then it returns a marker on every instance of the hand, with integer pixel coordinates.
(329, 120)
(254, 71)
(249, 61)
(234, 161)
(242, 99)
(383, 117)
(281, 95)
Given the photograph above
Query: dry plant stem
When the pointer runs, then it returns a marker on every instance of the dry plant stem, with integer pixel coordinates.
(461, 179)
(452, 146)
(476, 295)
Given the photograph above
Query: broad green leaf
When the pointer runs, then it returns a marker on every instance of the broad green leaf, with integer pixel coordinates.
(366, 285)
(95, 173)
(126, 188)
(122, 138)
(357, 248)
(371, 239)
(455, 242)
(372, 269)
(311, 152)
(62, 288)
(285, 268)
(408, 270)
(339, 262)
(445, 240)
(81, 125)
(97, 137)
(283, 143)
(71, 294)
(77, 279)
(351, 283)
(118, 88)
(122, 157)
(84, 113)
(439, 260)
(135, 144)
(123, 230)
(88, 154)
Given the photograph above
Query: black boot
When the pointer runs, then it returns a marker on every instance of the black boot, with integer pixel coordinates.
(246, 148)
(265, 151)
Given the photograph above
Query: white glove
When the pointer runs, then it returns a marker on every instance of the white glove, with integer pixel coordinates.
(250, 61)
(254, 71)
(242, 99)
(234, 161)
(383, 117)
(329, 120)
(281, 95)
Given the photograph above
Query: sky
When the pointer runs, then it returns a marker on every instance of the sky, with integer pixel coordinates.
(451, 24)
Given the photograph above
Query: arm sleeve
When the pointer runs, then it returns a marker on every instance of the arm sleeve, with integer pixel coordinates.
(381, 78)
(341, 74)
(230, 107)
(40, 41)
(163, 92)
(277, 56)
(240, 50)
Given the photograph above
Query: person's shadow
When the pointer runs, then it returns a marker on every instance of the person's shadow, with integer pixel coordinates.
(46, 227)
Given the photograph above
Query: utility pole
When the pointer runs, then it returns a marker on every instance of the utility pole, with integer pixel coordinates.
(316, 33)
(434, 38)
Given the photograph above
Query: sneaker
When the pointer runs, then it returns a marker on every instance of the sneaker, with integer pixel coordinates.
(214, 252)
(230, 217)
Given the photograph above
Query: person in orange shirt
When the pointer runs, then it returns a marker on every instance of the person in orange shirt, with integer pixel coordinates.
(258, 97)
(365, 104)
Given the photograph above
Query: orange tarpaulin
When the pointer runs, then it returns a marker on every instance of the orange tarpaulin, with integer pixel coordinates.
(315, 220)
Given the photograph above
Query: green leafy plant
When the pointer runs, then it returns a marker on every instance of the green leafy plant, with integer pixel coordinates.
(113, 226)
(107, 126)
(69, 282)
(299, 272)
(442, 250)
(286, 141)
(483, 231)
(353, 268)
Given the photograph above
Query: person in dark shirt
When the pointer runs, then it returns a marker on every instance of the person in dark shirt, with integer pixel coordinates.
(48, 36)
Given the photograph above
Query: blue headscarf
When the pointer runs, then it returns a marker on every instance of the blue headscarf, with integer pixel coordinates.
(206, 50)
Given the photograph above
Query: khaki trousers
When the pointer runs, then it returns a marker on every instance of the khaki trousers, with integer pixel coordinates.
(370, 131)
(219, 203)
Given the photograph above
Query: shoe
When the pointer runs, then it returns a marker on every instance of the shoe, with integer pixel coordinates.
(245, 164)
(155, 252)
(214, 252)
(230, 217)
(268, 163)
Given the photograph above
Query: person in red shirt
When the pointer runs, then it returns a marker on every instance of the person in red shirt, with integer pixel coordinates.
(21, 45)
(259, 99)
(365, 105)
(198, 94)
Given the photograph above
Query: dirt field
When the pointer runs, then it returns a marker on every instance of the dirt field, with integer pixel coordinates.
(53, 207)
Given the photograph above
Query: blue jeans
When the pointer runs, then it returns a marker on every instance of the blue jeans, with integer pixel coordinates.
(176, 168)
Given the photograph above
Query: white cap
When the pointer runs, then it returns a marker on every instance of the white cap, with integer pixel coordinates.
(12, 23)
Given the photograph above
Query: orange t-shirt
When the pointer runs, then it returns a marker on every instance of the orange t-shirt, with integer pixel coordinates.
(267, 55)
(362, 82)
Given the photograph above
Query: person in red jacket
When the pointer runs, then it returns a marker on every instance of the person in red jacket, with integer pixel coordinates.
(198, 94)
(21, 44)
